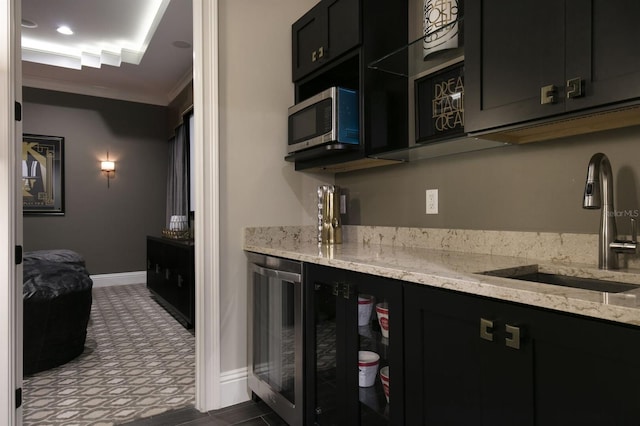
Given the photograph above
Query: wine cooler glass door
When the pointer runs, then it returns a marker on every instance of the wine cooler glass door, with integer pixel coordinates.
(276, 365)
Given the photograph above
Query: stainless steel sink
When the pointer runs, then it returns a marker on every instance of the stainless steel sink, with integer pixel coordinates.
(566, 281)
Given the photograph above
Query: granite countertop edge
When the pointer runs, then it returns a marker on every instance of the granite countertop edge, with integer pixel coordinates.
(463, 272)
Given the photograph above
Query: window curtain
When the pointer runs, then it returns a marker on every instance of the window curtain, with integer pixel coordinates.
(178, 174)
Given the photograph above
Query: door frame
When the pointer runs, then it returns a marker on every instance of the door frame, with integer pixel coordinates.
(10, 215)
(207, 195)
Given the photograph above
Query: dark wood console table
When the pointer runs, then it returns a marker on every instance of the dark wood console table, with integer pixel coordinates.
(170, 276)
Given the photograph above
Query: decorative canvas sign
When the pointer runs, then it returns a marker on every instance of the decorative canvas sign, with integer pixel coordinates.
(440, 26)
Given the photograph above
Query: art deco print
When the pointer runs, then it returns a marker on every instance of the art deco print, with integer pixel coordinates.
(448, 104)
(439, 34)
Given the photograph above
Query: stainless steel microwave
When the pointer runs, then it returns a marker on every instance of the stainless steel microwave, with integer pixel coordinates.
(330, 116)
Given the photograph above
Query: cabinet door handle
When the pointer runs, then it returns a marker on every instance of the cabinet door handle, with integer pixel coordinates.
(514, 340)
(167, 274)
(320, 52)
(486, 329)
(574, 88)
(548, 94)
(313, 56)
(335, 289)
(157, 268)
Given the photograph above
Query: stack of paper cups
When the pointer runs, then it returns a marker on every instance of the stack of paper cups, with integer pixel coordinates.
(382, 310)
(365, 307)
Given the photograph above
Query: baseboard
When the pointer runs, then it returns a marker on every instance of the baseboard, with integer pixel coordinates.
(233, 387)
(122, 278)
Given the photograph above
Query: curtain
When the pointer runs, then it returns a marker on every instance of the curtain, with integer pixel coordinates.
(178, 174)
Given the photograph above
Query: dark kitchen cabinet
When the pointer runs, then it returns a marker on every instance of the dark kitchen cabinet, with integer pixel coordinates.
(472, 360)
(333, 339)
(170, 277)
(332, 45)
(328, 30)
(531, 60)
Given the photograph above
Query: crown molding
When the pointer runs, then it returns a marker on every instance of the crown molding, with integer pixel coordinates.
(101, 92)
(181, 84)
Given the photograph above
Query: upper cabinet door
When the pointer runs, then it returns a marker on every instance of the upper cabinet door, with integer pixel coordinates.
(309, 40)
(329, 29)
(536, 59)
(513, 50)
(343, 26)
(603, 51)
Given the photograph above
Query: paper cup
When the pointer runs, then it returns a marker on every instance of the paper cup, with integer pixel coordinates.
(384, 378)
(382, 310)
(368, 368)
(365, 307)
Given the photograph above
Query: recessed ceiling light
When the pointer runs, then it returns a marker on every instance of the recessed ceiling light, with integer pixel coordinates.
(181, 44)
(63, 29)
(28, 24)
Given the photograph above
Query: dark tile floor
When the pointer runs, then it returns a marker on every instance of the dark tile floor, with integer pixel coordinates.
(246, 414)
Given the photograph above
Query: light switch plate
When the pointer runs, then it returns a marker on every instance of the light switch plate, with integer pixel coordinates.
(432, 201)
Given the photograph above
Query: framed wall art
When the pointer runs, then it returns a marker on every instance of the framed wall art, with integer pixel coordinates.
(42, 175)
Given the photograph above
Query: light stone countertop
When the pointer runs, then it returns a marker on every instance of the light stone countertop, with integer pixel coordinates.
(385, 252)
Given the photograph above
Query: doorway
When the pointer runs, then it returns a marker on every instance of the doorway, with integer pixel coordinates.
(205, 82)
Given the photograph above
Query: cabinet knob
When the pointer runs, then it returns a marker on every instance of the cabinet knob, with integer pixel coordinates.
(548, 94)
(574, 88)
(514, 340)
(486, 329)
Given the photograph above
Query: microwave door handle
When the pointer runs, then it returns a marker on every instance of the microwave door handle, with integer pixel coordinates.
(274, 273)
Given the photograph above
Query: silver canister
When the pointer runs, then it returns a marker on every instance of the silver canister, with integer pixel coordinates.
(329, 222)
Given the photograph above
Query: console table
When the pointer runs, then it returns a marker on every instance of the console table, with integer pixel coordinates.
(170, 276)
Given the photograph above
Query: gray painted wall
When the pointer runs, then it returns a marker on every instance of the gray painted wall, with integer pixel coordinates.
(257, 187)
(108, 226)
(533, 187)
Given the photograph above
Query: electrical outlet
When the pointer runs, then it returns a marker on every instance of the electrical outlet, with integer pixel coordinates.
(432, 201)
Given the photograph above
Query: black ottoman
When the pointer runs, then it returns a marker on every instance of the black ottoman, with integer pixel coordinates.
(57, 304)
(56, 255)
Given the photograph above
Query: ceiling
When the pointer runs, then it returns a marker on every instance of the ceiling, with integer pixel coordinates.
(164, 69)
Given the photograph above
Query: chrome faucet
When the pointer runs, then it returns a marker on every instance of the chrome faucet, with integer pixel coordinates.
(599, 185)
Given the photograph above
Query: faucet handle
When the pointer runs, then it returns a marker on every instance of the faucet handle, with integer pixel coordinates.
(623, 246)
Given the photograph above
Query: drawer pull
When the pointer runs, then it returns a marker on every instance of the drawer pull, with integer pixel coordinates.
(574, 88)
(548, 94)
(486, 329)
(514, 340)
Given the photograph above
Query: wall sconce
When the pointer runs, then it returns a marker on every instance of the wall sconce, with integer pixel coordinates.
(108, 167)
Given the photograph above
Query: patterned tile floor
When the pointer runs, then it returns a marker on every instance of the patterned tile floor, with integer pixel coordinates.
(138, 362)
